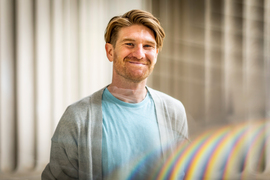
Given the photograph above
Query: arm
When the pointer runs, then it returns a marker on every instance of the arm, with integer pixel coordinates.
(63, 159)
(61, 166)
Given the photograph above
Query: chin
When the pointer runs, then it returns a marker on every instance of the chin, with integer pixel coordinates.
(137, 79)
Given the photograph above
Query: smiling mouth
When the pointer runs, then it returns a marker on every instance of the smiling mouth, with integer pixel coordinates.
(137, 63)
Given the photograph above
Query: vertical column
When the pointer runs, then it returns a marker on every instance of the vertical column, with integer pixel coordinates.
(208, 44)
(71, 73)
(253, 59)
(104, 70)
(233, 62)
(57, 52)
(100, 12)
(165, 56)
(253, 73)
(214, 62)
(85, 62)
(43, 81)
(7, 85)
(194, 59)
(228, 57)
(267, 78)
(148, 7)
(267, 55)
(177, 46)
(186, 82)
(230, 73)
(94, 56)
(25, 84)
(227, 51)
(153, 80)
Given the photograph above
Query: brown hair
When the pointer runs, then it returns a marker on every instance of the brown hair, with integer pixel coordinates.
(134, 17)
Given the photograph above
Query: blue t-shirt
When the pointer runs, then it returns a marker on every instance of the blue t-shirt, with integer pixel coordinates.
(129, 133)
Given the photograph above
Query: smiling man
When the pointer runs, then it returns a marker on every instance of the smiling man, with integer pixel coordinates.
(102, 136)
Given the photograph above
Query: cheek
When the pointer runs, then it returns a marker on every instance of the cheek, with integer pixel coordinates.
(152, 57)
(123, 52)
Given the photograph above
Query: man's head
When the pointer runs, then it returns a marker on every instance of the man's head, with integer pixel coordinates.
(132, 44)
(134, 17)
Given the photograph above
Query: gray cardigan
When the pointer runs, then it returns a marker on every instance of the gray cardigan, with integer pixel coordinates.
(76, 144)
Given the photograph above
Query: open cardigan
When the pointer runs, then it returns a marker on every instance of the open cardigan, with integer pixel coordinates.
(76, 146)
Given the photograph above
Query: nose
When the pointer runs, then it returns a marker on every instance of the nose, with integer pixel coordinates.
(138, 52)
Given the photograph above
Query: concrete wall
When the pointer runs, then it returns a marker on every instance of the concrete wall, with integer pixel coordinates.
(52, 54)
(216, 60)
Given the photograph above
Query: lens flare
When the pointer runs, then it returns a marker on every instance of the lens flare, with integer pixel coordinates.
(230, 152)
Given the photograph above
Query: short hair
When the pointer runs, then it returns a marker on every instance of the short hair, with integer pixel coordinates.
(134, 17)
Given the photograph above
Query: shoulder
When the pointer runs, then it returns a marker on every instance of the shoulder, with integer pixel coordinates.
(79, 109)
(77, 114)
(165, 99)
(171, 113)
(84, 104)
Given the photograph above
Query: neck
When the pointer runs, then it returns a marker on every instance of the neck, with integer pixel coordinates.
(128, 92)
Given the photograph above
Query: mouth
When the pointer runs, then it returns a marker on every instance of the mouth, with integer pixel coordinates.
(137, 63)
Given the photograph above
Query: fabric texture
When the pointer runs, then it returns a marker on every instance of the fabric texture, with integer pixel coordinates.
(129, 132)
(76, 146)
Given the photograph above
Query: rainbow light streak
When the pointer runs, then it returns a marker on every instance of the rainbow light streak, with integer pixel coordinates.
(225, 153)
(152, 157)
(256, 146)
(237, 139)
(218, 154)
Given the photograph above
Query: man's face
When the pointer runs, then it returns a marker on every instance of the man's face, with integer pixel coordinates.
(134, 55)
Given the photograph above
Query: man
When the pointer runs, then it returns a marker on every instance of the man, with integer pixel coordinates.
(99, 136)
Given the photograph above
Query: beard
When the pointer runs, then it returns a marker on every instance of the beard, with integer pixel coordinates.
(133, 73)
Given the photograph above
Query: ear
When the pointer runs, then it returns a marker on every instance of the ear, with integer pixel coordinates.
(157, 52)
(109, 51)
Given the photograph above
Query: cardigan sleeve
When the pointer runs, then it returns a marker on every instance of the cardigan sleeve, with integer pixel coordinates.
(64, 150)
(60, 166)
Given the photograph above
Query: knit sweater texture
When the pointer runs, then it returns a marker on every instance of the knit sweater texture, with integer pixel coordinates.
(76, 146)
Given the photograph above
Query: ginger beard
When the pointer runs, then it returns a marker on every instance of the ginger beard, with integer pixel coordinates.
(133, 69)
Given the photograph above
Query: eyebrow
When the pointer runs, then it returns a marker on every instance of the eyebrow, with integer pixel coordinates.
(127, 39)
(133, 40)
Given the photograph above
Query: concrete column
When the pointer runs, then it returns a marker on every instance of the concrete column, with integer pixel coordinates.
(93, 40)
(177, 46)
(85, 62)
(234, 98)
(229, 45)
(230, 74)
(207, 60)
(43, 81)
(254, 71)
(253, 60)
(214, 104)
(7, 85)
(71, 71)
(25, 85)
(194, 59)
(267, 78)
(165, 58)
(57, 60)
(227, 51)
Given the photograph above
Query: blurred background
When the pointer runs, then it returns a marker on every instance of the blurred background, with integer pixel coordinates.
(215, 59)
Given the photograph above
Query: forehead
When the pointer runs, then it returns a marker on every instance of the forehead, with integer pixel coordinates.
(136, 32)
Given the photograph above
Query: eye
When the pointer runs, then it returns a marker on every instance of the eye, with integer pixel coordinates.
(129, 44)
(148, 46)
